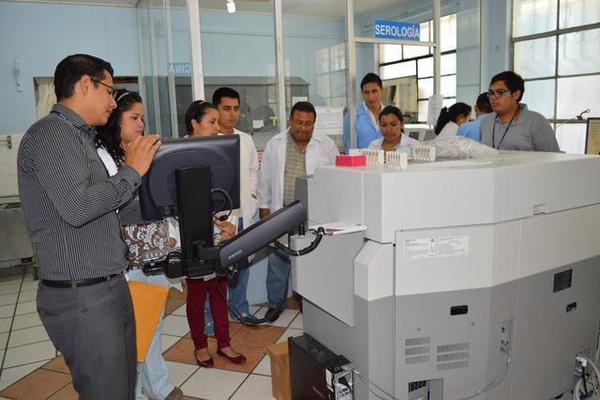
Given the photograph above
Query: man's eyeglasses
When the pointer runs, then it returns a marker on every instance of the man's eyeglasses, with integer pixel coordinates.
(497, 93)
(111, 90)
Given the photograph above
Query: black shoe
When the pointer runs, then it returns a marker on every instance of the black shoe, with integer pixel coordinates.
(272, 314)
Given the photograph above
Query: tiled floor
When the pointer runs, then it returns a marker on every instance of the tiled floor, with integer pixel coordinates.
(31, 369)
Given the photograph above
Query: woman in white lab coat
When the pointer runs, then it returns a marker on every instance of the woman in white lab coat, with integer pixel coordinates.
(451, 118)
(391, 125)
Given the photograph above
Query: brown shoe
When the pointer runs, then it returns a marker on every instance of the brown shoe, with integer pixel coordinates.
(176, 394)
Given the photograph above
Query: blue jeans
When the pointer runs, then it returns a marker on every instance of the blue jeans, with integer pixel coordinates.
(153, 374)
(278, 271)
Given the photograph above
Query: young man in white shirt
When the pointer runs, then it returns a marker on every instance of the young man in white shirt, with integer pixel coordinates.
(295, 152)
(227, 101)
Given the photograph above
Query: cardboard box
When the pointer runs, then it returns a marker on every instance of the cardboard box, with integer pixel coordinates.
(280, 370)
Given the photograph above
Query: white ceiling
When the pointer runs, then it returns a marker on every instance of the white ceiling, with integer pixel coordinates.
(310, 8)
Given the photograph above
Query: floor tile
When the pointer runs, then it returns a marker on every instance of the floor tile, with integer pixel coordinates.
(6, 299)
(175, 300)
(39, 385)
(3, 339)
(166, 341)
(5, 324)
(26, 308)
(298, 322)
(10, 288)
(29, 295)
(11, 375)
(66, 393)
(213, 384)
(181, 311)
(289, 332)
(183, 352)
(28, 335)
(29, 284)
(27, 321)
(257, 335)
(179, 372)
(7, 311)
(256, 387)
(175, 325)
(29, 353)
(58, 365)
(263, 367)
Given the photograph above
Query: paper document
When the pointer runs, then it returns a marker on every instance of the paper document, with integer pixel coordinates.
(340, 228)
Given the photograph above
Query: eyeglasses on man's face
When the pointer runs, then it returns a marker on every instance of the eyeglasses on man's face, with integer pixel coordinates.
(111, 90)
(497, 93)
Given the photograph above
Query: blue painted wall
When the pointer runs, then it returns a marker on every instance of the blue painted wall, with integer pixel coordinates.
(40, 35)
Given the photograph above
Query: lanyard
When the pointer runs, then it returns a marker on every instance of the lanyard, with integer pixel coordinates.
(505, 132)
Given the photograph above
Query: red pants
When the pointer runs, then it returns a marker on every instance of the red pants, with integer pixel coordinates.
(196, 296)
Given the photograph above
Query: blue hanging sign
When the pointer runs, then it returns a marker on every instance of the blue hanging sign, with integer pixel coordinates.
(397, 30)
(180, 69)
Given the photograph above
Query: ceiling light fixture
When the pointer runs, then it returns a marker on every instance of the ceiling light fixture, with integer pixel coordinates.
(230, 6)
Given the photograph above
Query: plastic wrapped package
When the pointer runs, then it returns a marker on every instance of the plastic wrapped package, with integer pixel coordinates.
(459, 147)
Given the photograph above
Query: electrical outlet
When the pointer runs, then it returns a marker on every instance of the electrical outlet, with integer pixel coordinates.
(506, 336)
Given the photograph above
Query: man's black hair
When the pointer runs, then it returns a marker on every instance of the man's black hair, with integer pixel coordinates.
(371, 78)
(304, 106)
(224, 92)
(512, 80)
(70, 70)
(483, 103)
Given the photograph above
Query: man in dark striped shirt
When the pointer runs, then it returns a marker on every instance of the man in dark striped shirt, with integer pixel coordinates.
(70, 204)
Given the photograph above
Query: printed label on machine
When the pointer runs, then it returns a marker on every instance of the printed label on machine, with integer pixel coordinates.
(415, 249)
(452, 246)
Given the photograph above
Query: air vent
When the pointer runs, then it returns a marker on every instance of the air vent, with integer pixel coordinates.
(452, 356)
(417, 350)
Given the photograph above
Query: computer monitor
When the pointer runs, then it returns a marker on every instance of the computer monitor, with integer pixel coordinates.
(158, 193)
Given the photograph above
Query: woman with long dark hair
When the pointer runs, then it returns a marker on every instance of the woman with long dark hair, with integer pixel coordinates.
(125, 124)
(451, 118)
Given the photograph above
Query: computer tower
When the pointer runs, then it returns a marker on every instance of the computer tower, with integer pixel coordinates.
(318, 373)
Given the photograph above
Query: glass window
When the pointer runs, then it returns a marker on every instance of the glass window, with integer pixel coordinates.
(390, 53)
(338, 57)
(449, 102)
(535, 58)
(426, 32)
(448, 32)
(577, 94)
(423, 110)
(448, 64)
(323, 86)
(399, 70)
(322, 60)
(534, 16)
(571, 137)
(578, 12)
(449, 86)
(415, 51)
(425, 89)
(539, 96)
(579, 52)
(425, 67)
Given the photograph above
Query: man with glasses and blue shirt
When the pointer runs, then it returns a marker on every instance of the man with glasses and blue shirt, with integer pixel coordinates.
(512, 126)
(69, 203)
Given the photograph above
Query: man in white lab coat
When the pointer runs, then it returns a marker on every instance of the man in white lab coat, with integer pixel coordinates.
(295, 152)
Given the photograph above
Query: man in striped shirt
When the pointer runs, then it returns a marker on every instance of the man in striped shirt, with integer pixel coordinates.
(69, 203)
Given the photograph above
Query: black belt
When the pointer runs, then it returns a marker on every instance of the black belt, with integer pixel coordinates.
(83, 282)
